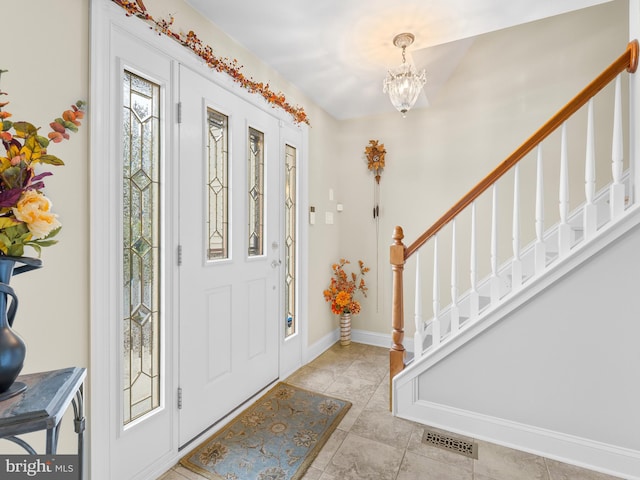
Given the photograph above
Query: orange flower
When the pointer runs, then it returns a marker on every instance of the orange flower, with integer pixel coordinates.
(343, 286)
(343, 299)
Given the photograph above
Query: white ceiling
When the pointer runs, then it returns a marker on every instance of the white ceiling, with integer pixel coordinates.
(337, 51)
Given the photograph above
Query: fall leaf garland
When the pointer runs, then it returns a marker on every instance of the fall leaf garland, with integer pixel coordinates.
(205, 52)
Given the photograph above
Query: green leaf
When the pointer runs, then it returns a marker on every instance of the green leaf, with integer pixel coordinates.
(12, 176)
(70, 126)
(6, 125)
(42, 243)
(7, 222)
(53, 232)
(16, 250)
(43, 141)
(24, 129)
(51, 160)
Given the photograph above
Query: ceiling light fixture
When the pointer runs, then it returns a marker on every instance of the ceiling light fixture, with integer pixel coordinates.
(403, 83)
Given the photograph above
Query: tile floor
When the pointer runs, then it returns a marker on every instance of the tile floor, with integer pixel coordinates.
(371, 444)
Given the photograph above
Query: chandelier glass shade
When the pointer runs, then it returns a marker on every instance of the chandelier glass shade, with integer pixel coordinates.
(404, 83)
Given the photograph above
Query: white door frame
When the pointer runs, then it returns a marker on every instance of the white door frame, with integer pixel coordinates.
(104, 270)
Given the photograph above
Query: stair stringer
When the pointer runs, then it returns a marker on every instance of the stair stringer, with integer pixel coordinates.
(573, 449)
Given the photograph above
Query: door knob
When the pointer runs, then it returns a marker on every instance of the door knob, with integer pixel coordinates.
(276, 263)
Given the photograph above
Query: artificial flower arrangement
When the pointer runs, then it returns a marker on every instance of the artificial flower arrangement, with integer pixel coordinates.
(343, 287)
(25, 213)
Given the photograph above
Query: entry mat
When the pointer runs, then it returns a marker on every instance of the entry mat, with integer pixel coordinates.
(277, 437)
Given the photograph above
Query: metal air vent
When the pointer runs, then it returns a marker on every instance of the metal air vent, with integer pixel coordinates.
(450, 443)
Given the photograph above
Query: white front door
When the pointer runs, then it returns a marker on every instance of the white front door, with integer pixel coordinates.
(230, 252)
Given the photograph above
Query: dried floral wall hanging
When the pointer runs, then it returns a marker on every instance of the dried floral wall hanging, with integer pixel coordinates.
(205, 52)
(375, 153)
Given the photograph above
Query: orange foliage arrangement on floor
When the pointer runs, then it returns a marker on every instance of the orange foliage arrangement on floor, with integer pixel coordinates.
(343, 287)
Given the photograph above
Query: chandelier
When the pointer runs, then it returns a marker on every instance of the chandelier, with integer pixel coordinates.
(403, 83)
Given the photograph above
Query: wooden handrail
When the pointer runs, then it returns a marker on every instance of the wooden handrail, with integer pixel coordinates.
(627, 61)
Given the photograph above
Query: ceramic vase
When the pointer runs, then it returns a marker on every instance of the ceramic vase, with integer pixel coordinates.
(345, 329)
(12, 348)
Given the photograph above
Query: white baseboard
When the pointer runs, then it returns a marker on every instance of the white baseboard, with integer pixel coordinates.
(585, 453)
(318, 348)
(359, 336)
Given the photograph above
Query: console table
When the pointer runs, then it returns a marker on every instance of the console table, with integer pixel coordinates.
(41, 407)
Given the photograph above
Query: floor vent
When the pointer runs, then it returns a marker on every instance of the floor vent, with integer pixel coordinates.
(452, 444)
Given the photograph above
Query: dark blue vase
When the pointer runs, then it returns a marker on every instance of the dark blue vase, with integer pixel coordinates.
(12, 348)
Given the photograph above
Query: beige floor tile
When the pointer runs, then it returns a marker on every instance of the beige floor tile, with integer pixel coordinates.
(367, 370)
(329, 449)
(312, 474)
(334, 361)
(562, 471)
(356, 390)
(312, 378)
(477, 476)
(326, 476)
(186, 473)
(417, 467)
(439, 454)
(501, 463)
(383, 427)
(173, 475)
(356, 350)
(363, 459)
(379, 401)
(350, 418)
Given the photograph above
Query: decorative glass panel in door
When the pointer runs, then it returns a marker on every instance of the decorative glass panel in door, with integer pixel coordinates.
(141, 245)
(218, 185)
(255, 175)
(291, 212)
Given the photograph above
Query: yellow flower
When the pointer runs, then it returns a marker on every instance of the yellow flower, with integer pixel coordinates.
(33, 209)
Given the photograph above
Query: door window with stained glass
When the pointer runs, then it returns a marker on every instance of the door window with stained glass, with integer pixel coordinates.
(141, 246)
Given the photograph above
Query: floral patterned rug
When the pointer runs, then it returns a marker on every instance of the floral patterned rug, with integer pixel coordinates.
(276, 438)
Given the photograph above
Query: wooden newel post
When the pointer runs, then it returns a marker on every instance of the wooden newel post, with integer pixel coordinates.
(397, 352)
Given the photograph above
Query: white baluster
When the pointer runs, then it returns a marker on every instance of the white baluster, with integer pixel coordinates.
(474, 298)
(418, 337)
(540, 252)
(435, 323)
(516, 264)
(455, 310)
(617, 193)
(590, 221)
(564, 229)
(495, 281)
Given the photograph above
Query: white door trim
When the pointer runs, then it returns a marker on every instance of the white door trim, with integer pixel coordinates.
(105, 16)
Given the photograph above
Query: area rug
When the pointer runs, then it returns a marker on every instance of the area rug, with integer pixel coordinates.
(276, 438)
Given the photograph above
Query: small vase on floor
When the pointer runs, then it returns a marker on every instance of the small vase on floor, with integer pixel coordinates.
(345, 329)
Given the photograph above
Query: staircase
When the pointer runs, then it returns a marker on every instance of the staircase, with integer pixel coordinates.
(463, 342)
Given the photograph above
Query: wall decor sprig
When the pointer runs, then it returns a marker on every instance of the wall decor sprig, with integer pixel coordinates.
(205, 52)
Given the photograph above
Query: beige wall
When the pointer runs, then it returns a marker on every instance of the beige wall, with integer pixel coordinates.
(46, 50)
(508, 83)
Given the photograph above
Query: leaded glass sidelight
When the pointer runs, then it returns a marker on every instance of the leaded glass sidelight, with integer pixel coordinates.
(218, 185)
(290, 209)
(141, 246)
(255, 174)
